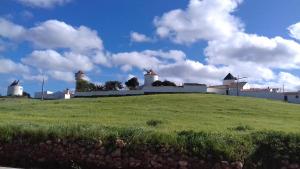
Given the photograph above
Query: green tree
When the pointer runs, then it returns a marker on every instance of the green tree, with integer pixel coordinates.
(132, 83)
(113, 85)
(85, 86)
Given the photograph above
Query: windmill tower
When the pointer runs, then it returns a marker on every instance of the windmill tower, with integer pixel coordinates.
(150, 77)
(79, 75)
(15, 89)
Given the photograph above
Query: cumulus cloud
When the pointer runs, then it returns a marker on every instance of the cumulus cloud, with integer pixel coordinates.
(202, 20)
(62, 76)
(295, 31)
(80, 48)
(192, 71)
(138, 37)
(52, 60)
(38, 77)
(250, 48)
(53, 34)
(57, 34)
(148, 59)
(229, 46)
(43, 3)
(9, 66)
(10, 30)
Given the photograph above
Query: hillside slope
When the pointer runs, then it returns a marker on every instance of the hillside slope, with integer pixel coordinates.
(165, 113)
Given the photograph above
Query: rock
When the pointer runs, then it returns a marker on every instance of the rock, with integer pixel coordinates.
(237, 165)
(120, 143)
(293, 166)
(225, 165)
(116, 153)
(49, 142)
(155, 164)
(285, 162)
(183, 163)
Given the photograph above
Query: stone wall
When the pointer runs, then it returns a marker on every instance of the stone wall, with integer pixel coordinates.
(58, 153)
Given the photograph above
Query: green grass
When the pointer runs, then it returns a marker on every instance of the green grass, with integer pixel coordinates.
(231, 127)
(177, 112)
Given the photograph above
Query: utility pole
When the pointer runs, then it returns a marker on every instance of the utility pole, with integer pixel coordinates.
(237, 84)
(42, 98)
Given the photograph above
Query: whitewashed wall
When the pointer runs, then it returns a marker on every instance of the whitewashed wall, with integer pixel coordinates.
(14, 91)
(260, 94)
(293, 99)
(109, 93)
(175, 89)
(161, 89)
(52, 96)
(216, 91)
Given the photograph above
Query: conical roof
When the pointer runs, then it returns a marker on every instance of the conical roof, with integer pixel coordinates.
(230, 77)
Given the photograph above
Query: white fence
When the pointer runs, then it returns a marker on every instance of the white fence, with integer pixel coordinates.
(147, 90)
(176, 89)
(109, 93)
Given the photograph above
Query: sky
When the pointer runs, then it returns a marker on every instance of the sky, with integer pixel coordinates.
(182, 40)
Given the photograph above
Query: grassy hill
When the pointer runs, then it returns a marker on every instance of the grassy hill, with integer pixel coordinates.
(164, 113)
(227, 127)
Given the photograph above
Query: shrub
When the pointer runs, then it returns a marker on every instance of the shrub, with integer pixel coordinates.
(153, 123)
(164, 83)
(113, 85)
(242, 128)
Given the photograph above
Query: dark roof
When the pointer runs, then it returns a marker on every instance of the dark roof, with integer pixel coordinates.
(80, 72)
(230, 77)
(150, 72)
(15, 83)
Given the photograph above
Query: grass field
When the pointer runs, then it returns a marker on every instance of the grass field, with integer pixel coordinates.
(234, 128)
(163, 113)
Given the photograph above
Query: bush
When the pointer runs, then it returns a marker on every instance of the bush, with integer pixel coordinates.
(242, 128)
(164, 83)
(153, 123)
(113, 85)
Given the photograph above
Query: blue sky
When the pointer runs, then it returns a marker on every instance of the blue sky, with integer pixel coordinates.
(184, 41)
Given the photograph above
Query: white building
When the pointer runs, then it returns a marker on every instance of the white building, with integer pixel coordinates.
(147, 88)
(150, 77)
(15, 89)
(292, 97)
(230, 86)
(48, 95)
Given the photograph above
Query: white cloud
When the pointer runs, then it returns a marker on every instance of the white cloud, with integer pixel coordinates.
(229, 46)
(9, 66)
(192, 71)
(146, 59)
(290, 81)
(39, 77)
(244, 48)
(62, 76)
(295, 31)
(102, 58)
(287, 80)
(43, 3)
(138, 37)
(134, 59)
(52, 60)
(202, 20)
(10, 30)
(56, 34)
(80, 48)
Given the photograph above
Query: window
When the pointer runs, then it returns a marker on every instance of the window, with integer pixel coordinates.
(297, 97)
